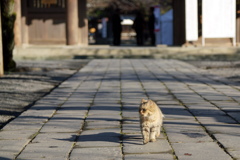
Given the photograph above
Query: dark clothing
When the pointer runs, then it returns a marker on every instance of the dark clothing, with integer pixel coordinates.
(116, 28)
(138, 26)
(151, 28)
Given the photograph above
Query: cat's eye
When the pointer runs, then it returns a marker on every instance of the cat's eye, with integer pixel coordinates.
(144, 110)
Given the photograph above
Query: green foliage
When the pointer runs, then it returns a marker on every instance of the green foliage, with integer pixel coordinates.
(8, 19)
(104, 8)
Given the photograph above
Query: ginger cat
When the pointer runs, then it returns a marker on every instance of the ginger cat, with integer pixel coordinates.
(151, 119)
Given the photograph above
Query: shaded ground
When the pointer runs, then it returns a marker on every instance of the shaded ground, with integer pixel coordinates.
(31, 81)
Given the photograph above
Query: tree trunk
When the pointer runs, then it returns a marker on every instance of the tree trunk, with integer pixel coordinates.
(8, 19)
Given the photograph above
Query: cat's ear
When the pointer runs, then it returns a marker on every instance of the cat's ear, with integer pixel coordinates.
(143, 100)
(151, 103)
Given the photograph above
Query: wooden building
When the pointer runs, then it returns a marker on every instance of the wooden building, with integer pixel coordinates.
(51, 22)
(65, 22)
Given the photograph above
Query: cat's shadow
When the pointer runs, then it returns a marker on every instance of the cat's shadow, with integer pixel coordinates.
(112, 137)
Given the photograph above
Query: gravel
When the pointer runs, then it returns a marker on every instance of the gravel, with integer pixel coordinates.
(229, 69)
(31, 81)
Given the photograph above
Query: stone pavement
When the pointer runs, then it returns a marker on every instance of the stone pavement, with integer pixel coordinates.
(94, 115)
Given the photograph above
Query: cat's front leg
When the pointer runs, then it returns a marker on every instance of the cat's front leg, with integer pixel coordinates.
(153, 133)
(158, 130)
(145, 132)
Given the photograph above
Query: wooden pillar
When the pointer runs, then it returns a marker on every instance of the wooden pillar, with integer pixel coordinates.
(83, 23)
(17, 25)
(72, 22)
(238, 23)
(25, 36)
(1, 52)
(179, 34)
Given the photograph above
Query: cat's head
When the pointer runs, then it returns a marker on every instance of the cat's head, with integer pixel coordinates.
(146, 108)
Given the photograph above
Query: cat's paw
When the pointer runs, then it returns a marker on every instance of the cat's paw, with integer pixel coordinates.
(157, 135)
(153, 140)
(145, 141)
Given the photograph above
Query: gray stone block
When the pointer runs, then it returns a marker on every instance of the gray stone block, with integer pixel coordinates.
(99, 140)
(10, 148)
(199, 151)
(163, 156)
(197, 135)
(99, 153)
(131, 128)
(215, 119)
(46, 150)
(235, 115)
(136, 146)
(62, 126)
(223, 128)
(230, 142)
(101, 124)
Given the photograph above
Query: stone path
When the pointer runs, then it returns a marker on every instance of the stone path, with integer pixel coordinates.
(94, 115)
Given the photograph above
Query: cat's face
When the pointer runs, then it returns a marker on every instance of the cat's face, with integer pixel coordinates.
(145, 108)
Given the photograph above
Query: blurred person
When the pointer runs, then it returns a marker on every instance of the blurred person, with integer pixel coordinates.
(138, 26)
(151, 27)
(116, 27)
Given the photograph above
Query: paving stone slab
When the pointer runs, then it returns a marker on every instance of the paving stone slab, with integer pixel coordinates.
(130, 107)
(130, 120)
(110, 107)
(54, 137)
(78, 103)
(46, 150)
(218, 98)
(170, 102)
(101, 153)
(223, 128)
(136, 146)
(62, 126)
(231, 109)
(131, 128)
(99, 141)
(163, 156)
(194, 135)
(229, 141)
(61, 116)
(17, 134)
(23, 126)
(234, 154)
(103, 117)
(215, 119)
(176, 111)
(200, 105)
(103, 112)
(206, 111)
(181, 124)
(101, 124)
(130, 114)
(177, 117)
(39, 113)
(10, 148)
(235, 115)
(199, 151)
